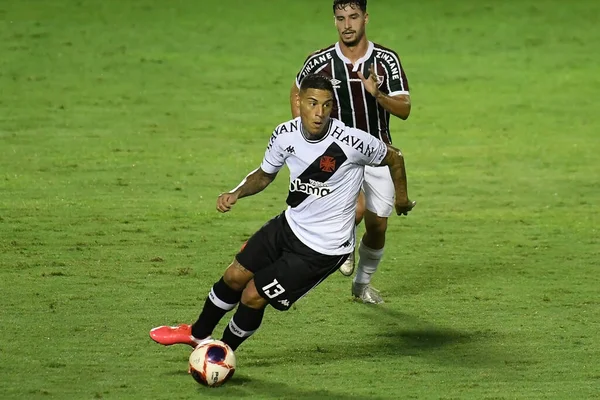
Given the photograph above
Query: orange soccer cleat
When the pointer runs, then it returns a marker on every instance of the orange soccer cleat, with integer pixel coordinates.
(180, 334)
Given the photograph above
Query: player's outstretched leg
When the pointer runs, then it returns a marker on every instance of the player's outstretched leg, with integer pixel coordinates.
(220, 300)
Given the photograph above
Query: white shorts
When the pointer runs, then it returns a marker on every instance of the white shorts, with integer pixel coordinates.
(379, 191)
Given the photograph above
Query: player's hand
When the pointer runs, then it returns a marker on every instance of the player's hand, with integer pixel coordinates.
(225, 201)
(404, 207)
(371, 84)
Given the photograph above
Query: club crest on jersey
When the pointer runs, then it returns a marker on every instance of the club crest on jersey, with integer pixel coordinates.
(335, 83)
(327, 164)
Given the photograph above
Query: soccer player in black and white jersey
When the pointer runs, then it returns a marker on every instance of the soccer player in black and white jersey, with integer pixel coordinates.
(295, 251)
(370, 85)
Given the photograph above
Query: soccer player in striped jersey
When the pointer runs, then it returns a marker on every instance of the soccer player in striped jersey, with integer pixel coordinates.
(370, 86)
(296, 250)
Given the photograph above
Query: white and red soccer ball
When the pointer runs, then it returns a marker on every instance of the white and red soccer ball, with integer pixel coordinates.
(213, 363)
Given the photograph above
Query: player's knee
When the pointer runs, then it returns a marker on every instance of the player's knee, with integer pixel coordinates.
(236, 276)
(252, 298)
(375, 224)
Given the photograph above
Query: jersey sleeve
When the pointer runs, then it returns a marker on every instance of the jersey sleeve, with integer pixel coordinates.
(372, 152)
(397, 83)
(302, 73)
(314, 63)
(274, 156)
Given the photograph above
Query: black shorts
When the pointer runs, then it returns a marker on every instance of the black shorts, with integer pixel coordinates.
(284, 268)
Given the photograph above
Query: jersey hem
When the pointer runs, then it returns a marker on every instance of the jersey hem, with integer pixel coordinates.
(312, 246)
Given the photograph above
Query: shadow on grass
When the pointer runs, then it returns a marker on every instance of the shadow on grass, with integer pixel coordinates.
(406, 333)
(395, 335)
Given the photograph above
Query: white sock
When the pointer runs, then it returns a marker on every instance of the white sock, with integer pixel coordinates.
(368, 261)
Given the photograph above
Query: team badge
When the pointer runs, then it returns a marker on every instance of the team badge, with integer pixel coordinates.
(327, 164)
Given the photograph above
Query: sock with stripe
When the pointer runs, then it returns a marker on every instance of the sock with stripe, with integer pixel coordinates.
(242, 325)
(220, 300)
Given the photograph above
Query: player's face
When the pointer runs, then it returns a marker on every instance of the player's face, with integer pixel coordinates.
(350, 22)
(315, 109)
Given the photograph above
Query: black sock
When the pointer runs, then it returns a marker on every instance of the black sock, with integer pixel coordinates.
(243, 324)
(220, 300)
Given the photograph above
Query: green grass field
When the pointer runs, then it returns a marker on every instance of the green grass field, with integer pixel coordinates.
(121, 122)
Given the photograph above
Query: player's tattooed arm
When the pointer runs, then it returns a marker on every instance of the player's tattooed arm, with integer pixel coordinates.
(255, 182)
(395, 162)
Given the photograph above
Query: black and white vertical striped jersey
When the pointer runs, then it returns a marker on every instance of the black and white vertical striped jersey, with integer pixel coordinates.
(325, 179)
(354, 105)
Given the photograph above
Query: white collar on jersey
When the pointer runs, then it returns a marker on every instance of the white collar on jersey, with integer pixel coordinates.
(361, 60)
(304, 133)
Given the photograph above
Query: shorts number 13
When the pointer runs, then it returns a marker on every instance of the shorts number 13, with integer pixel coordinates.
(273, 289)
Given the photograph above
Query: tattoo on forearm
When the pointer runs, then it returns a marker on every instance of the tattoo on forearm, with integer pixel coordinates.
(395, 162)
(254, 183)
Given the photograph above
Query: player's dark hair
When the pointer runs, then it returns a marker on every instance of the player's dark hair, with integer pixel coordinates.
(316, 81)
(340, 4)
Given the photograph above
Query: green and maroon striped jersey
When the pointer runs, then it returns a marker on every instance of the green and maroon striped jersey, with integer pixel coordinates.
(354, 105)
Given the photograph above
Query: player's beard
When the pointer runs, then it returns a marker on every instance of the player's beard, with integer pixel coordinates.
(354, 42)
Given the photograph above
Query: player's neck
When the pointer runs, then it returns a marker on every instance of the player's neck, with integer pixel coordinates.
(354, 53)
(309, 136)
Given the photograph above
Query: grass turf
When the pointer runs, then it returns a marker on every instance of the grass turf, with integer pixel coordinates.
(122, 121)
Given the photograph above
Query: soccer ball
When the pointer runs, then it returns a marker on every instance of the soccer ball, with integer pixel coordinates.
(212, 363)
